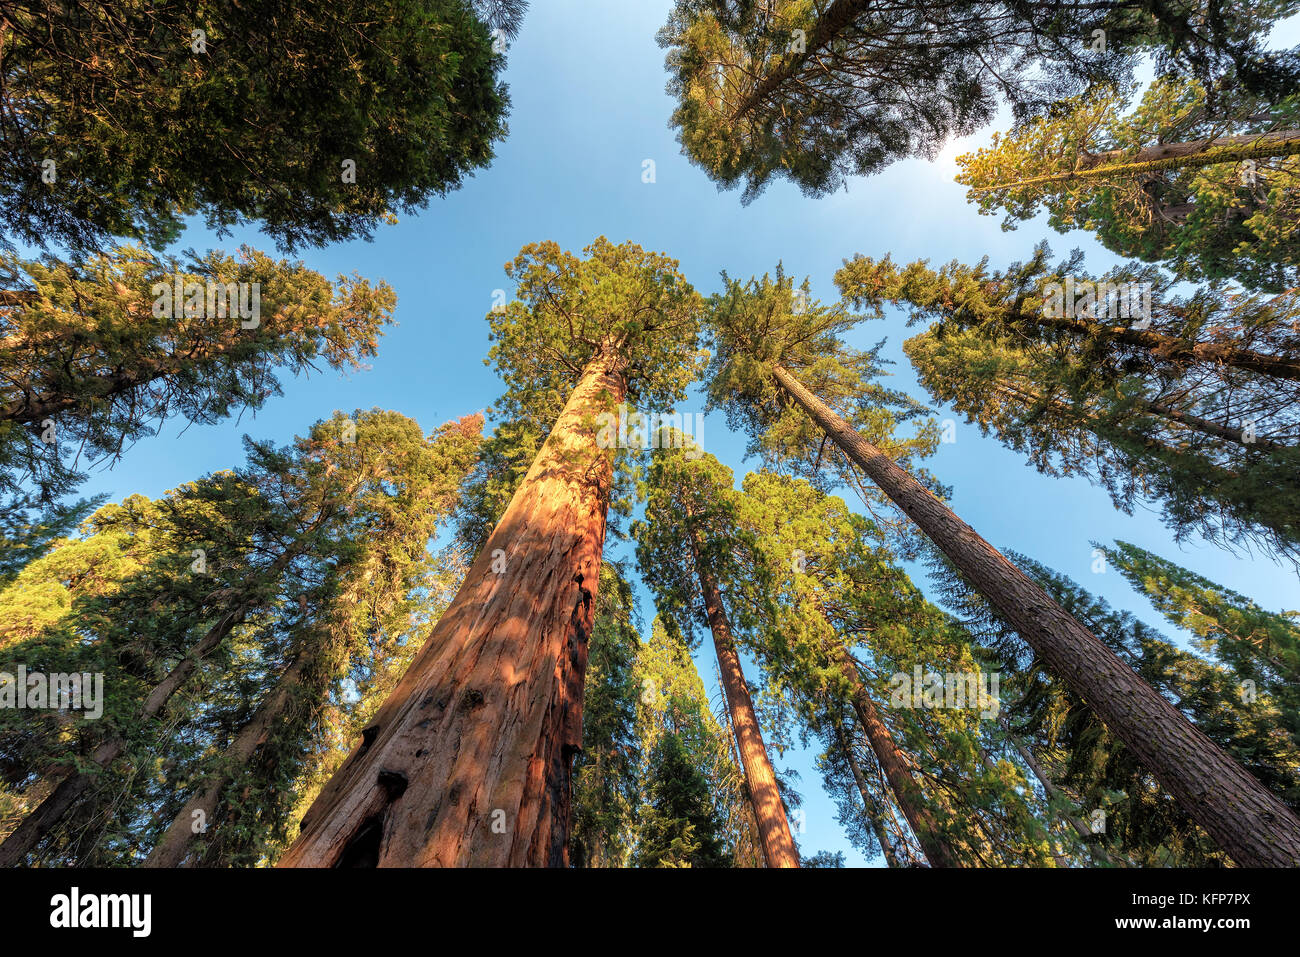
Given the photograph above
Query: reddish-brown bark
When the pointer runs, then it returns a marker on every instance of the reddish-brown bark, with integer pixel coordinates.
(468, 761)
(769, 812)
(870, 806)
(1246, 820)
(898, 771)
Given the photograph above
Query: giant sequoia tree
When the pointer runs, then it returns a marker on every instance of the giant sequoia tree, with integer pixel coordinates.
(468, 762)
(1206, 184)
(1187, 400)
(817, 92)
(318, 120)
(756, 373)
(96, 351)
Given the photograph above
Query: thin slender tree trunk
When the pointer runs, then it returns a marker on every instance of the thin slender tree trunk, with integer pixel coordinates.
(1199, 424)
(748, 853)
(173, 847)
(1062, 859)
(1096, 851)
(1107, 432)
(73, 786)
(838, 16)
(1142, 404)
(909, 855)
(1247, 821)
(769, 812)
(870, 807)
(69, 791)
(1193, 154)
(898, 771)
(468, 761)
(1171, 348)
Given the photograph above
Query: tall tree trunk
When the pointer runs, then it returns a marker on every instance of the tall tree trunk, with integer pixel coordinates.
(748, 851)
(773, 827)
(468, 761)
(1166, 156)
(869, 803)
(898, 771)
(69, 791)
(174, 845)
(1248, 822)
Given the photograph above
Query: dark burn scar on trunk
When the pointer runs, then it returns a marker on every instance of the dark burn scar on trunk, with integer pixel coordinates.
(581, 604)
(362, 849)
(393, 783)
(368, 736)
(471, 699)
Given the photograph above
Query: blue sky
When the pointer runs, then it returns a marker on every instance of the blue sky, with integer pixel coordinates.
(588, 108)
